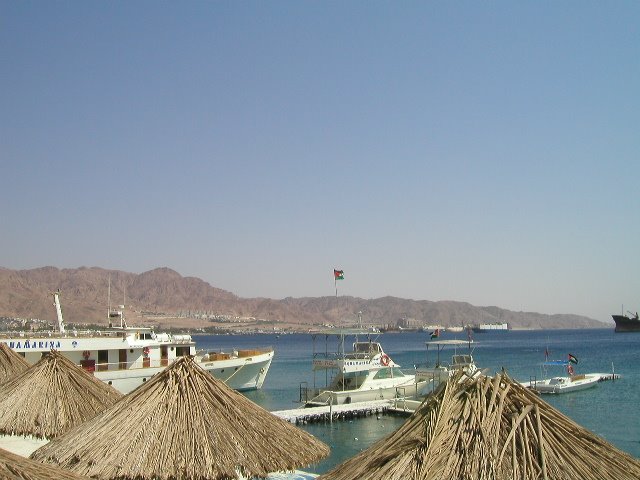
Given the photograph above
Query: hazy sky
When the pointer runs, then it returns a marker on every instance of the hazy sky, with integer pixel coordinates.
(485, 152)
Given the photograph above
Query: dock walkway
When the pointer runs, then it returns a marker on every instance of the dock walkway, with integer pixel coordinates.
(335, 412)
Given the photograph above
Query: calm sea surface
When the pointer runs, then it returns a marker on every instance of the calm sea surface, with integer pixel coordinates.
(610, 409)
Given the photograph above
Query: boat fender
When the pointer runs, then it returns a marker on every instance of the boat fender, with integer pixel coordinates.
(384, 360)
(145, 350)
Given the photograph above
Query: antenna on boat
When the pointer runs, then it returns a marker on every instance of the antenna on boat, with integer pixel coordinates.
(116, 313)
(109, 304)
(123, 322)
(56, 302)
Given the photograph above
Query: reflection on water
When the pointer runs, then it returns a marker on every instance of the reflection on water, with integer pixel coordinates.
(348, 438)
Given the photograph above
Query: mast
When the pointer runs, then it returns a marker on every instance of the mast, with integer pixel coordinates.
(123, 322)
(56, 302)
(109, 303)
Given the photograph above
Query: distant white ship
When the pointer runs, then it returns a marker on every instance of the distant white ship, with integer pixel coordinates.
(126, 357)
(491, 327)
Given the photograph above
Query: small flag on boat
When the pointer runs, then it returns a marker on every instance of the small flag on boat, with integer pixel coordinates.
(546, 354)
(435, 333)
(338, 274)
(573, 359)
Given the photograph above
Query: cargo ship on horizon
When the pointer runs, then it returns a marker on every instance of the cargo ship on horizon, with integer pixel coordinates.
(627, 323)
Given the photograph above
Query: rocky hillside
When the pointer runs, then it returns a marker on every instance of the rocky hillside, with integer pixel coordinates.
(164, 296)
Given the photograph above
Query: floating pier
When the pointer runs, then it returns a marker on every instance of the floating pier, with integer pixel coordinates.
(336, 412)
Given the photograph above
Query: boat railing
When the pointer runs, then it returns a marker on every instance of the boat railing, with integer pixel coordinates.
(211, 356)
(94, 366)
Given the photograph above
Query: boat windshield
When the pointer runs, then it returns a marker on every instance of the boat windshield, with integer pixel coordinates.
(389, 372)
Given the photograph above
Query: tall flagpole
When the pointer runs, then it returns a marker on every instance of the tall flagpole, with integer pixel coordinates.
(337, 275)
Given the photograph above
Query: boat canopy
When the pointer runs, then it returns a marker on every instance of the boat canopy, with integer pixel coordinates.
(557, 363)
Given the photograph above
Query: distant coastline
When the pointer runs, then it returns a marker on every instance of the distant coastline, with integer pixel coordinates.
(162, 297)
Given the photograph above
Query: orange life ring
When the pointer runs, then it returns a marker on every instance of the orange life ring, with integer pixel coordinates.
(145, 350)
(384, 360)
(86, 354)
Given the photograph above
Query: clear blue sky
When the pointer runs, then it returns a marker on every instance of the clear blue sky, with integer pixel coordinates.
(485, 152)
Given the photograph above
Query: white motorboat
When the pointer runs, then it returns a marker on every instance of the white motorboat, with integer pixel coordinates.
(567, 383)
(126, 357)
(363, 374)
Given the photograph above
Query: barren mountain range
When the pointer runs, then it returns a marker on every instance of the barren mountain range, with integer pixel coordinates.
(164, 297)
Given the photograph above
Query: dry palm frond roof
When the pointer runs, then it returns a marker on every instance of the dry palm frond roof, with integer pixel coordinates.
(51, 397)
(488, 429)
(11, 363)
(183, 423)
(13, 466)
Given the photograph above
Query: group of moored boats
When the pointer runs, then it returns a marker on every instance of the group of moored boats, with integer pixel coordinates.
(366, 373)
(126, 357)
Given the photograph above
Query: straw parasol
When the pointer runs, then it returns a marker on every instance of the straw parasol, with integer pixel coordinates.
(487, 428)
(11, 363)
(182, 424)
(16, 467)
(51, 397)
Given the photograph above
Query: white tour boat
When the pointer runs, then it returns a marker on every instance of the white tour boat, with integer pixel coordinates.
(126, 357)
(363, 374)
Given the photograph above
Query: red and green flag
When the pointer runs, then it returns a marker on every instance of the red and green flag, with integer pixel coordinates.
(573, 359)
(338, 274)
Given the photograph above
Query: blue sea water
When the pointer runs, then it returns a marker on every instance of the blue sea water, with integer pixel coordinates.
(610, 410)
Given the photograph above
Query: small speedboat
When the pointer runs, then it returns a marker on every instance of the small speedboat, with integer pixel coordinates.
(571, 382)
(566, 384)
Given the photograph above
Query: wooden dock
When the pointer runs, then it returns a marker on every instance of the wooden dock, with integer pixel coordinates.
(336, 412)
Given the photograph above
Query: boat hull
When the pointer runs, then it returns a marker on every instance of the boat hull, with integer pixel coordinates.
(241, 376)
(370, 393)
(249, 375)
(625, 324)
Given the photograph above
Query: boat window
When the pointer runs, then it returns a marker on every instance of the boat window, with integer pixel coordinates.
(103, 360)
(182, 351)
(164, 356)
(122, 358)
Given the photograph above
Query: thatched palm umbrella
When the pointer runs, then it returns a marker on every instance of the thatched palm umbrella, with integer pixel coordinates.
(15, 467)
(183, 424)
(11, 363)
(488, 429)
(51, 397)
